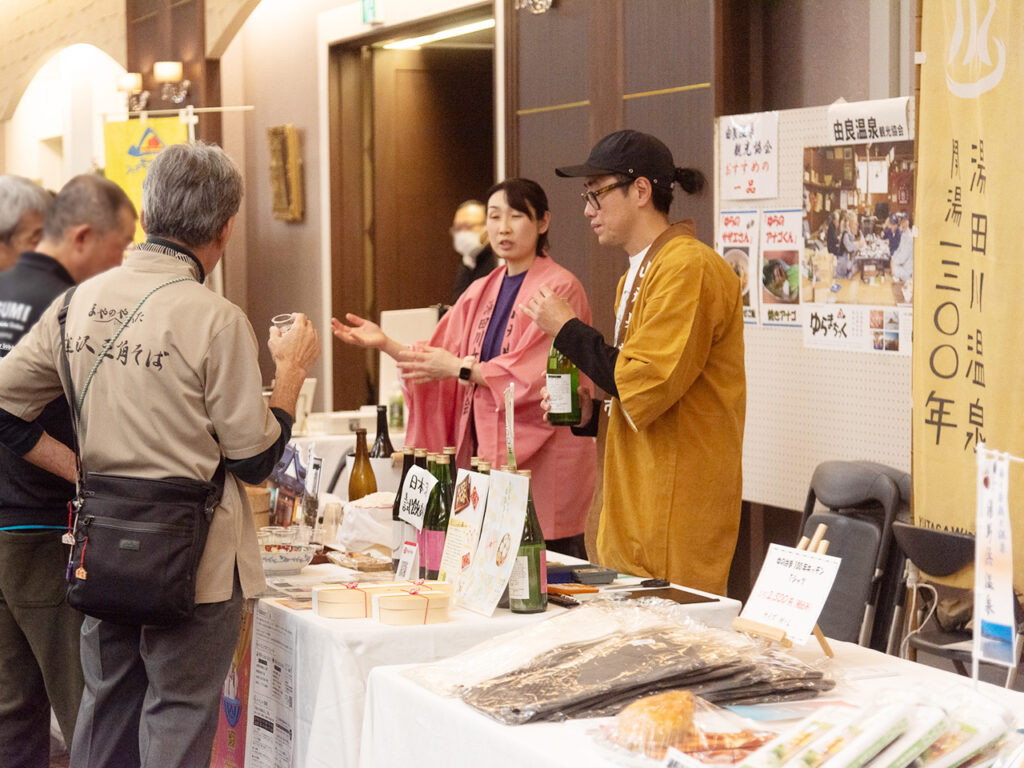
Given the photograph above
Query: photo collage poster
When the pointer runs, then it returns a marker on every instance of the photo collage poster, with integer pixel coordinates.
(841, 265)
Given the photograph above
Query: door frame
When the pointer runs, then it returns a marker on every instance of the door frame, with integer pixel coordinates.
(343, 29)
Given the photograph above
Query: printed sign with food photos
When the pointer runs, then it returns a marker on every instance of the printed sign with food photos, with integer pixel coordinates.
(480, 586)
(464, 525)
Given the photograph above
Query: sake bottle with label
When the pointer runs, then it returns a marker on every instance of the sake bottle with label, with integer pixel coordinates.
(528, 585)
(563, 381)
(435, 522)
(361, 481)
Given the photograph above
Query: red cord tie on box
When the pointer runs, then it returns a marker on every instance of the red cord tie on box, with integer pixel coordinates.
(426, 608)
(366, 596)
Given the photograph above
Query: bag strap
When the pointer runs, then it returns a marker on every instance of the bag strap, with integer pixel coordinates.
(69, 390)
(76, 404)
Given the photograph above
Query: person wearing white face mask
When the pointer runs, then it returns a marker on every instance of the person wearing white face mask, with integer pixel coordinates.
(469, 239)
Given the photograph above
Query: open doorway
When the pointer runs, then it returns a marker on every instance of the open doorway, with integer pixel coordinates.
(412, 136)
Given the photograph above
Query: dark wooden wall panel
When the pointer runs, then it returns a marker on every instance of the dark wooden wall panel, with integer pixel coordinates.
(668, 43)
(598, 51)
(684, 122)
(552, 55)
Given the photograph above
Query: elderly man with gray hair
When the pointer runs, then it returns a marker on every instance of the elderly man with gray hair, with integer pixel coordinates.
(23, 206)
(176, 396)
(86, 231)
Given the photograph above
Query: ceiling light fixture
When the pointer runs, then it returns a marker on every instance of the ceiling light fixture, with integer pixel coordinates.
(412, 43)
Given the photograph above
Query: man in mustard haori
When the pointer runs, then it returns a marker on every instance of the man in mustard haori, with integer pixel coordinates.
(672, 469)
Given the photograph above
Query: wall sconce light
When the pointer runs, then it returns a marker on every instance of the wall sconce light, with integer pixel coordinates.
(535, 6)
(174, 89)
(131, 84)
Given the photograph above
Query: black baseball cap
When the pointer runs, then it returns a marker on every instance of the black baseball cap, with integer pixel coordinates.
(628, 152)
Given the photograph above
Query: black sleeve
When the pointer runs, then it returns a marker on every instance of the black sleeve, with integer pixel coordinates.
(17, 435)
(256, 469)
(590, 428)
(585, 346)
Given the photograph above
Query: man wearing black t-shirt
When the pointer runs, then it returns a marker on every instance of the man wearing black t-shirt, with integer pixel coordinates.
(86, 230)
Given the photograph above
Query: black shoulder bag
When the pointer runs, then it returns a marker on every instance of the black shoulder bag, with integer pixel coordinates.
(137, 542)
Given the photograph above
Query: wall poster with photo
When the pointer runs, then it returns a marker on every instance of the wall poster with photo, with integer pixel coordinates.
(780, 284)
(859, 232)
(738, 245)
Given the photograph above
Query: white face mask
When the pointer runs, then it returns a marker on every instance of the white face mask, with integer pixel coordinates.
(467, 244)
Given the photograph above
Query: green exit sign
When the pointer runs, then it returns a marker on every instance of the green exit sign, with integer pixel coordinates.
(369, 11)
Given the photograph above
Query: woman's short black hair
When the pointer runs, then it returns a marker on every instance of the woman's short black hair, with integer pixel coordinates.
(525, 196)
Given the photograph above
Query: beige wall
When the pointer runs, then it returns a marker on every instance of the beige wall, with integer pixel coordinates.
(34, 30)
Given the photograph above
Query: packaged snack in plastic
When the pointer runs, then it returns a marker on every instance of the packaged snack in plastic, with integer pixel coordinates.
(974, 723)
(796, 739)
(677, 719)
(856, 742)
(580, 627)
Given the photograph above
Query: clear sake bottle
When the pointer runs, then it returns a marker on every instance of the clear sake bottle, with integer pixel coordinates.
(361, 481)
(528, 585)
(563, 381)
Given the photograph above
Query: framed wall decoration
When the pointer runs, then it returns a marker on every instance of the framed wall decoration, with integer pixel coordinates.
(285, 172)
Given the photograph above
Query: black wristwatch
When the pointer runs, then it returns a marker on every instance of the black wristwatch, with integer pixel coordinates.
(466, 371)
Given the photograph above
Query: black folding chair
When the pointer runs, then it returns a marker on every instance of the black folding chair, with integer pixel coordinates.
(863, 499)
(939, 553)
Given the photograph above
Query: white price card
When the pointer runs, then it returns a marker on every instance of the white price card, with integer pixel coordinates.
(415, 492)
(407, 562)
(791, 590)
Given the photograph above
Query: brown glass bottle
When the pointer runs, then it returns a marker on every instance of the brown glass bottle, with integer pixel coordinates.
(382, 447)
(361, 481)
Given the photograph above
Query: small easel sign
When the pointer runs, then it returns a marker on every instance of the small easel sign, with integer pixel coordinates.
(790, 593)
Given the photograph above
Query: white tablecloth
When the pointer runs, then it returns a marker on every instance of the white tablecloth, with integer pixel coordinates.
(333, 658)
(406, 724)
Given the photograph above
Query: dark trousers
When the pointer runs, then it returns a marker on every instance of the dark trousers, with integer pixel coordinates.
(152, 693)
(39, 665)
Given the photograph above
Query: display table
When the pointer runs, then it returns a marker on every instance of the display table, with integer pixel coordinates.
(406, 724)
(317, 670)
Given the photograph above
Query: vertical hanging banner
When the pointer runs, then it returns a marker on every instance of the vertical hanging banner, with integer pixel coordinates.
(749, 156)
(130, 147)
(967, 361)
(781, 246)
(737, 242)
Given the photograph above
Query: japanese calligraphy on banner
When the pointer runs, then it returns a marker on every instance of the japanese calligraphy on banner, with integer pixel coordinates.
(995, 627)
(868, 121)
(781, 245)
(130, 147)
(967, 361)
(737, 242)
(749, 156)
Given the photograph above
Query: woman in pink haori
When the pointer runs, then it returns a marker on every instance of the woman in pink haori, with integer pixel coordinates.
(455, 382)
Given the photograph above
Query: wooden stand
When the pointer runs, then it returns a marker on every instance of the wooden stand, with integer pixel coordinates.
(819, 545)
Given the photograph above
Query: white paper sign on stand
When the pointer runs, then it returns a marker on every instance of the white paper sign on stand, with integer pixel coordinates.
(791, 591)
(464, 526)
